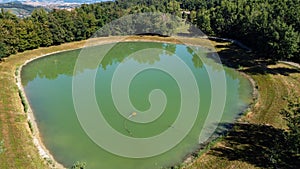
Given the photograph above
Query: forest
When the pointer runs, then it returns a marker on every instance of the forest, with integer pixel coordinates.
(270, 28)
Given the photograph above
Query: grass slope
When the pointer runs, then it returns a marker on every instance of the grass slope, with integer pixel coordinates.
(255, 139)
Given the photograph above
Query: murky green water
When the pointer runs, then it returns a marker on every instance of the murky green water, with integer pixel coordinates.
(48, 86)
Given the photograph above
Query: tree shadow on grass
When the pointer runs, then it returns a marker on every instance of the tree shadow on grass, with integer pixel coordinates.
(234, 57)
(274, 71)
(260, 145)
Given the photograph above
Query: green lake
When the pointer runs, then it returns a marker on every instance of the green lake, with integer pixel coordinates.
(48, 84)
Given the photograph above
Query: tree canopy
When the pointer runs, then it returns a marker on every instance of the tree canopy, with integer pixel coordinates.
(269, 27)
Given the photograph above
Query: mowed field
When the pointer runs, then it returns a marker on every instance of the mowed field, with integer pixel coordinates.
(250, 144)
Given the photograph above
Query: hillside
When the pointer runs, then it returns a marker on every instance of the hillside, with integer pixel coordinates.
(54, 1)
(17, 8)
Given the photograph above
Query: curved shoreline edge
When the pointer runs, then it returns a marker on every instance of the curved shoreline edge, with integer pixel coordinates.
(202, 147)
(33, 129)
(32, 124)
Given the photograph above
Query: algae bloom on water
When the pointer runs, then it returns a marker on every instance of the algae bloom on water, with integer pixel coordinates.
(48, 86)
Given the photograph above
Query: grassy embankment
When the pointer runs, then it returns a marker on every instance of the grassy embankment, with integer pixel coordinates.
(273, 81)
(256, 140)
(15, 130)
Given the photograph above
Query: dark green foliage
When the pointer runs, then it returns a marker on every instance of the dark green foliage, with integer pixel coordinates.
(271, 28)
(3, 50)
(30, 126)
(79, 165)
(292, 116)
(259, 145)
(41, 19)
(23, 101)
(146, 23)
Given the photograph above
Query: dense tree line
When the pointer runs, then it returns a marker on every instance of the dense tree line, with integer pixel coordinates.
(269, 27)
(44, 28)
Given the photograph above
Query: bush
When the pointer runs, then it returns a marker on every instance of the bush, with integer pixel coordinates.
(79, 165)
(23, 100)
(292, 115)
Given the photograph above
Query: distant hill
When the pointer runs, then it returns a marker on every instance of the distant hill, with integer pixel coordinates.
(55, 1)
(7, 1)
(23, 8)
(17, 8)
(83, 1)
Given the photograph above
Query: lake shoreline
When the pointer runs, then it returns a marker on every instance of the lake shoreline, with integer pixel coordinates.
(37, 139)
(33, 129)
(191, 158)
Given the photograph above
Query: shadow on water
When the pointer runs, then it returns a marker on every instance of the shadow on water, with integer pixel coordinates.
(261, 145)
(234, 57)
